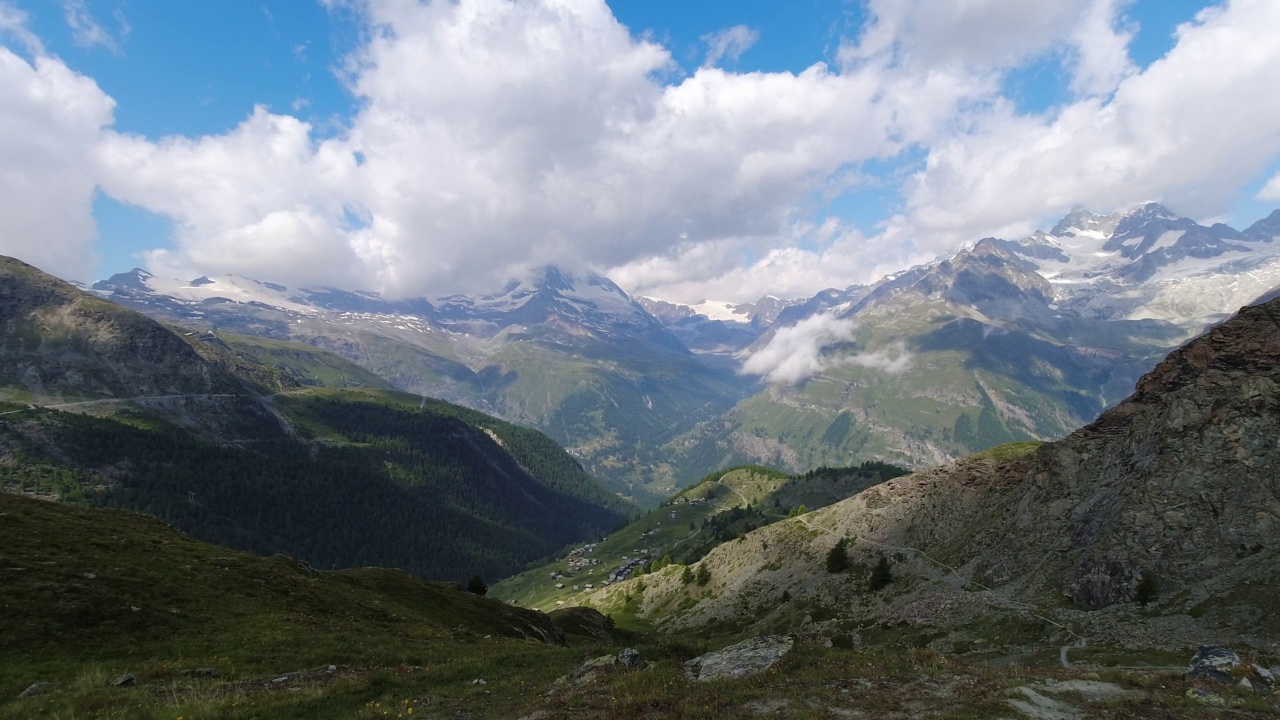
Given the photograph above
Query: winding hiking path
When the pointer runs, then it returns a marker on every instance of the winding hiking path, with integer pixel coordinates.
(116, 400)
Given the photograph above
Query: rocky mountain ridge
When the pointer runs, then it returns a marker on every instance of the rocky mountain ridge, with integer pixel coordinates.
(998, 341)
(1153, 526)
(573, 355)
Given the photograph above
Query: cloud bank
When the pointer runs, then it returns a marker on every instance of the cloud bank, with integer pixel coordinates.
(494, 136)
(797, 353)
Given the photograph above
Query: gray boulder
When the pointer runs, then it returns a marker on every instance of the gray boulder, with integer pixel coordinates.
(629, 658)
(125, 680)
(1213, 662)
(35, 689)
(746, 658)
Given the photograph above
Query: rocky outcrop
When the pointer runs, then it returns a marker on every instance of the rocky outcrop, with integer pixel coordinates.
(1214, 663)
(737, 661)
(1178, 484)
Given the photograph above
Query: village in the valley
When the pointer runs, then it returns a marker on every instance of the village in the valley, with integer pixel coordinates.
(580, 562)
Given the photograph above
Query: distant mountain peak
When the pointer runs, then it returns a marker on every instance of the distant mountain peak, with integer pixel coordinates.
(1081, 221)
(1151, 210)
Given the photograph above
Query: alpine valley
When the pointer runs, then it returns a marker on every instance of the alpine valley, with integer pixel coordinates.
(106, 407)
(1002, 340)
(1126, 570)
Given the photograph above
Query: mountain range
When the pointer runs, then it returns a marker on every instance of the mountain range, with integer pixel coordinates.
(996, 342)
(1001, 340)
(1033, 579)
(1064, 579)
(103, 406)
(573, 356)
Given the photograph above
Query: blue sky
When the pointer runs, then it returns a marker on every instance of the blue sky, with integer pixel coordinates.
(689, 149)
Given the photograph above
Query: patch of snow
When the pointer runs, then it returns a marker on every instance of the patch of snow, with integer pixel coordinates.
(228, 287)
(720, 310)
(1167, 239)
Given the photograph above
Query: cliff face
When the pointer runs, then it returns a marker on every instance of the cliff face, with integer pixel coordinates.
(1171, 497)
(1180, 481)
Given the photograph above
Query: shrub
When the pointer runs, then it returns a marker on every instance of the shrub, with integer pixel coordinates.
(1147, 588)
(838, 558)
(476, 586)
(881, 576)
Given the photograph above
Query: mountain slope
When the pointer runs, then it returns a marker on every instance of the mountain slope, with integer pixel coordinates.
(571, 355)
(724, 506)
(1000, 341)
(930, 365)
(1169, 498)
(61, 345)
(372, 479)
(91, 594)
(198, 432)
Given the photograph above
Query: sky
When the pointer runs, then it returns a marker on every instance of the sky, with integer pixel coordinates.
(690, 151)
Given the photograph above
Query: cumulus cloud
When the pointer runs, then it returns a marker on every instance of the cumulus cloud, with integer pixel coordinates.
(1190, 130)
(51, 121)
(797, 353)
(728, 43)
(493, 136)
(1101, 50)
(1271, 191)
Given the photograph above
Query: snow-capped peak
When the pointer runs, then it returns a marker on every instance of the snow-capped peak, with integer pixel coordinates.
(723, 311)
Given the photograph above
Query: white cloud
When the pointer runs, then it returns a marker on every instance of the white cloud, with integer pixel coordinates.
(1271, 191)
(728, 43)
(50, 123)
(796, 353)
(529, 132)
(494, 136)
(895, 360)
(1189, 130)
(263, 200)
(13, 23)
(1101, 50)
(85, 30)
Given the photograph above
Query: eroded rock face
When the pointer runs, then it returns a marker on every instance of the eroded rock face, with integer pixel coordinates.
(746, 658)
(1180, 480)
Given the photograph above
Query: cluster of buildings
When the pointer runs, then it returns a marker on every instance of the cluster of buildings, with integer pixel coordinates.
(629, 565)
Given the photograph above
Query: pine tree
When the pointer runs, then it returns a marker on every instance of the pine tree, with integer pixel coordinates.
(881, 576)
(838, 558)
(1147, 588)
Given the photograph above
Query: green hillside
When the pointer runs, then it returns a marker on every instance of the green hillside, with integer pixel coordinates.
(301, 363)
(963, 381)
(373, 478)
(87, 595)
(725, 505)
(236, 440)
(90, 597)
